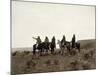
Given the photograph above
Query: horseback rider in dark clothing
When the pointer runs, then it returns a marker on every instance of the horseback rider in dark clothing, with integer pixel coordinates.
(46, 41)
(63, 41)
(53, 44)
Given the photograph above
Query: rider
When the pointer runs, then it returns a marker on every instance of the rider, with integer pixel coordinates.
(63, 40)
(73, 41)
(38, 40)
(46, 39)
(54, 41)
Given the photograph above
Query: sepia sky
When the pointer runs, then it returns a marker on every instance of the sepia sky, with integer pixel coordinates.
(42, 19)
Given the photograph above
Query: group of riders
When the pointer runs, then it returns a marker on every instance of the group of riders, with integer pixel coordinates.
(47, 45)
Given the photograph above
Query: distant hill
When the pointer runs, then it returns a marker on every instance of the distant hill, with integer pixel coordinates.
(88, 43)
(22, 49)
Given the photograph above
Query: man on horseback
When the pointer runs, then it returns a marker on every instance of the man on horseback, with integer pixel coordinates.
(53, 44)
(46, 39)
(63, 41)
(38, 40)
(63, 46)
(73, 41)
(75, 44)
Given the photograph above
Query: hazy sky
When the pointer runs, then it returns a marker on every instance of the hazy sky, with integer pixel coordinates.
(42, 19)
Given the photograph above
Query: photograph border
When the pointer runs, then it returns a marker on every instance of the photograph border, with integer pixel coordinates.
(46, 3)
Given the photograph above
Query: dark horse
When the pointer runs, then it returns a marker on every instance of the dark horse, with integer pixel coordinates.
(77, 45)
(44, 46)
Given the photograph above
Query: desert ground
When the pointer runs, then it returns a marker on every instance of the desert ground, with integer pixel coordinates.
(24, 62)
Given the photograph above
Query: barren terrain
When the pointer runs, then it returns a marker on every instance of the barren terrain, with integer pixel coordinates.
(25, 62)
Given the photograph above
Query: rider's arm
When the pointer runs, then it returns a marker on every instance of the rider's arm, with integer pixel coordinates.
(34, 38)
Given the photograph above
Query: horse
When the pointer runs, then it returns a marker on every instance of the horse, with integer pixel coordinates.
(64, 45)
(44, 46)
(77, 45)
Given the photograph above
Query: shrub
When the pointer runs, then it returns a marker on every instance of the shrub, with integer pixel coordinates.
(73, 52)
(26, 52)
(85, 66)
(74, 65)
(14, 53)
(86, 56)
(48, 62)
(56, 62)
(30, 64)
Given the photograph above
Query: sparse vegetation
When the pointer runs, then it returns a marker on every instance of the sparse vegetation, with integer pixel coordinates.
(14, 54)
(86, 56)
(56, 62)
(26, 62)
(48, 62)
(74, 65)
(73, 52)
(86, 66)
(26, 52)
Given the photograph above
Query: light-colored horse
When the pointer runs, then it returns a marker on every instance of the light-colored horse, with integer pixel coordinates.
(64, 46)
(68, 46)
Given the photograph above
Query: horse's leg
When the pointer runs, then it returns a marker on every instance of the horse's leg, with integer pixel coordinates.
(67, 49)
(71, 49)
(52, 51)
(46, 51)
(40, 52)
(34, 52)
(79, 49)
(62, 51)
